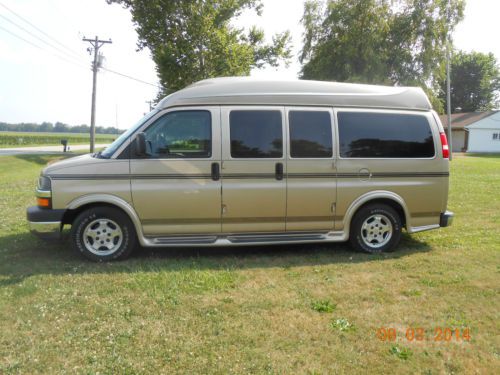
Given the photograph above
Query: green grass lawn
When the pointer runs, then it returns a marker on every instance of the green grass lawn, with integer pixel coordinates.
(24, 139)
(311, 309)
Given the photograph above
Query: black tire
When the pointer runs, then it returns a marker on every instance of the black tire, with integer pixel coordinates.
(122, 240)
(376, 217)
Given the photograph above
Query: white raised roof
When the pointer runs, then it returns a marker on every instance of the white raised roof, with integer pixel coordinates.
(251, 91)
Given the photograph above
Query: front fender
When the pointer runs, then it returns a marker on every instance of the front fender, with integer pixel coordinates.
(111, 200)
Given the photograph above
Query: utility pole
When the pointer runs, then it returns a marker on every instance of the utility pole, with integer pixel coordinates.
(448, 90)
(96, 44)
(448, 100)
(150, 102)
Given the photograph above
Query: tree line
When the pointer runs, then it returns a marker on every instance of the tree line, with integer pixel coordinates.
(389, 42)
(58, 127)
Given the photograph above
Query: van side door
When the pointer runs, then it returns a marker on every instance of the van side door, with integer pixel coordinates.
(253, 169)
(312, 182)
(175, 188)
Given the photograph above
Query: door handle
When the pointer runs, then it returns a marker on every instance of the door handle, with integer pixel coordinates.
(215, 171)
(279, 171)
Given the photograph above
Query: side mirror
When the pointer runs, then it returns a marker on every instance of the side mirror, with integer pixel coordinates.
(140, 144)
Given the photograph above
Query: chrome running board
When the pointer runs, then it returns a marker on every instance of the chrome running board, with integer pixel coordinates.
(241, 239)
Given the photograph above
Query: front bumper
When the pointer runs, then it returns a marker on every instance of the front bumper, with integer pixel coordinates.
(446, 219)
(44, 222)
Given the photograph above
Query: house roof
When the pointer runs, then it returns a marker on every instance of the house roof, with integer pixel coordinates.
(245, 90)
(490, 122)
(461, 120)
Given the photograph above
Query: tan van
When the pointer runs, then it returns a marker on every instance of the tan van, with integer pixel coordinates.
(235, 161)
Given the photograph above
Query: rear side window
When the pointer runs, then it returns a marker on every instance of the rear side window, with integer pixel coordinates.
(256, 134)
(310, 134)
(384, 135)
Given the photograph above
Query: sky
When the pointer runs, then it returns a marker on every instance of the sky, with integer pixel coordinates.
(41, 83)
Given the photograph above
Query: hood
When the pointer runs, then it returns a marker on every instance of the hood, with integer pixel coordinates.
(77, 161)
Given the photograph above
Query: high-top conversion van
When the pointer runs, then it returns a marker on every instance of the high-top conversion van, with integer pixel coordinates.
(236, 161)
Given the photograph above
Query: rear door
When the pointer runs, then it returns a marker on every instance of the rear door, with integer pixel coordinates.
(311, 183)
(253, 169)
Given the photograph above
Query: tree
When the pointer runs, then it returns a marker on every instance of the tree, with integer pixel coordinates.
(80, 129)
(192, 40)
(475, 82)
(45, 127)
(378, 41)
(60, 127)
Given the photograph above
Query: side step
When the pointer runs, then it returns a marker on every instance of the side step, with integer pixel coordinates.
(238, 239)
(187, 240)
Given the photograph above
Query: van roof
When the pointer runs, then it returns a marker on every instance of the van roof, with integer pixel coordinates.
(251, 91)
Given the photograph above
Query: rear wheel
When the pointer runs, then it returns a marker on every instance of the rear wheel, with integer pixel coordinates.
(103, 234)
(375, 228)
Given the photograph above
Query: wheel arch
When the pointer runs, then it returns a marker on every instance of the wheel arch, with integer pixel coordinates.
(83, 203)
(382, 197)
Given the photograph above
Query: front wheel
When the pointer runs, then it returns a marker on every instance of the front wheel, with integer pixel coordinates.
(375, 228)
(103, 234)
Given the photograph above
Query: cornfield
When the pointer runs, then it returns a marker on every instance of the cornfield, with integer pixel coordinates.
(17, 139)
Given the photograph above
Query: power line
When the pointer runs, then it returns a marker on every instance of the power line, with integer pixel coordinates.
(20, 37)
(77, 63)
(41, 48)
(61, 44)
(41, 31)
(38, 38)
(130, 77)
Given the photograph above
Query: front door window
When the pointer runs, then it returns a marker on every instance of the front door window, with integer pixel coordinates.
(180, 135)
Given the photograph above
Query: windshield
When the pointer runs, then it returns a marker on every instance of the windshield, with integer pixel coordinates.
(110, 150)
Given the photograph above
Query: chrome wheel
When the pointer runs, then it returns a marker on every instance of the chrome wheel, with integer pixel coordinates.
(102, 237)
(376, 231)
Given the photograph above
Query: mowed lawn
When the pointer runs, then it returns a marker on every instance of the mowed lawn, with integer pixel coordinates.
(312, 309)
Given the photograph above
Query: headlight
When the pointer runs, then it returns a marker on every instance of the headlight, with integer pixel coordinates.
(44, 183)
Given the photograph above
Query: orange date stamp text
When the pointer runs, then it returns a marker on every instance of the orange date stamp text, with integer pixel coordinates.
(438, 334)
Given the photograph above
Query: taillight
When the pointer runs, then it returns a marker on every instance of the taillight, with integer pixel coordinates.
(444, 146)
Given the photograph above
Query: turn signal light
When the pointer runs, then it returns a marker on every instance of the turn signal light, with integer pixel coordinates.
(43, 202)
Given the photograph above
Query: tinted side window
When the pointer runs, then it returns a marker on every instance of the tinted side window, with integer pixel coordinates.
(256, 134)
(310, 134)
(384, 135)
(182, 134)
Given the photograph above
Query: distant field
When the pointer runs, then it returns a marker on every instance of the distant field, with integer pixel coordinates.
(19, 139)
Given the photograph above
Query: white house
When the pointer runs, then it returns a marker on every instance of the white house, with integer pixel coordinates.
(484, 135)
(459, 122)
